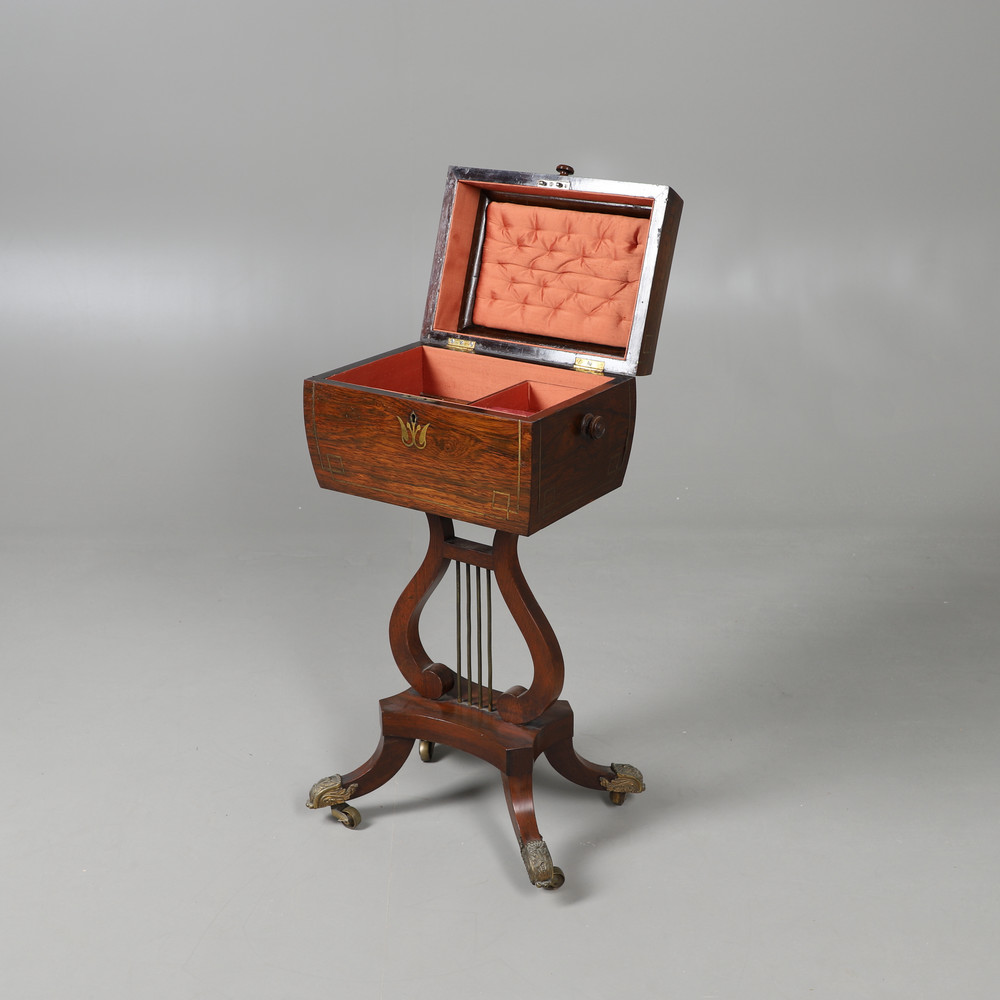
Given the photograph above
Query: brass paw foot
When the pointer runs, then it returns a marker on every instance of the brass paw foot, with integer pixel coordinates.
(331, 792)
(627, 780)
(538, 863)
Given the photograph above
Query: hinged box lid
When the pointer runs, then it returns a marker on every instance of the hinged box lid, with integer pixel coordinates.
(552, 268)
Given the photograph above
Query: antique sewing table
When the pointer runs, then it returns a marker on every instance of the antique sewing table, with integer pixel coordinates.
(514, 409)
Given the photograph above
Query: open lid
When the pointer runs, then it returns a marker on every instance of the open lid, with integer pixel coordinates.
(552, 268)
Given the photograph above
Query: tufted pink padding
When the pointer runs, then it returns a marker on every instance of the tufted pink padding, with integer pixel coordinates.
(560, 273)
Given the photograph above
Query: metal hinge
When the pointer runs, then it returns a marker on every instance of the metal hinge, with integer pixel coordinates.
(582, 364)
(458, 344)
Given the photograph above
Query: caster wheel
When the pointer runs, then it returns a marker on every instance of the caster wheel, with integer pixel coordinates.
(553, 883)
(617, 798)
(426, 751)
(347, 815)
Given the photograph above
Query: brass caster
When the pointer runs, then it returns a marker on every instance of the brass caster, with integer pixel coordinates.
(347, 815)
(538, 864)
(553, 883)
(426, 751)
(627, 780)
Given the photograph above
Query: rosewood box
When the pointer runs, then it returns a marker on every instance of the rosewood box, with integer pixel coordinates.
(517, 404)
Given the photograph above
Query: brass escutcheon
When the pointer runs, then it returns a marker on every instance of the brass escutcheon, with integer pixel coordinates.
(413, 435)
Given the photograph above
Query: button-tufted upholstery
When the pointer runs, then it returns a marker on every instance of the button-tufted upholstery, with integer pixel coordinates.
(560, 273)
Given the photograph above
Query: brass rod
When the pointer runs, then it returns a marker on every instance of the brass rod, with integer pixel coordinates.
(468, 626)
(489, 634)
(479, 634)
(458, 630)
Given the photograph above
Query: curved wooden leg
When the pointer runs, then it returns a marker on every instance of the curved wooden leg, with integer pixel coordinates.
(618, 780)
(534, 852)
(519, 704)
(335, 790)
(564, 758)
(430, 679)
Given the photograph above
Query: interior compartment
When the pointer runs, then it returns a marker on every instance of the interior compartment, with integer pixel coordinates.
(527, 398)
(474, 379)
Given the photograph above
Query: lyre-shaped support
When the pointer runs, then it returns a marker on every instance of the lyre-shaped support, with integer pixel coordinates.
(424, 675)
(519, 704)
(509, 730)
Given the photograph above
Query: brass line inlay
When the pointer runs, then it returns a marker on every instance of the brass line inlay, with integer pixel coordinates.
(407, 500)
(332, 463)
(519, 426)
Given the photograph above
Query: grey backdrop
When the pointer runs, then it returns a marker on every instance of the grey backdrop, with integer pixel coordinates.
(203, 203)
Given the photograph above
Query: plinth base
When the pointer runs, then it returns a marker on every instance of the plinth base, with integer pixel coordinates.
(511, 748)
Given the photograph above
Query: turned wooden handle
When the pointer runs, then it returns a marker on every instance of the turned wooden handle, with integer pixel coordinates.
(593, 426)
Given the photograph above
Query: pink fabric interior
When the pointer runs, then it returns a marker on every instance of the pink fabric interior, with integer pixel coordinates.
(526, 398)
(560, 273)
(471, 378)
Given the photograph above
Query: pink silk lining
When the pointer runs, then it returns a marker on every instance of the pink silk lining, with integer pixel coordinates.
(560, 273)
